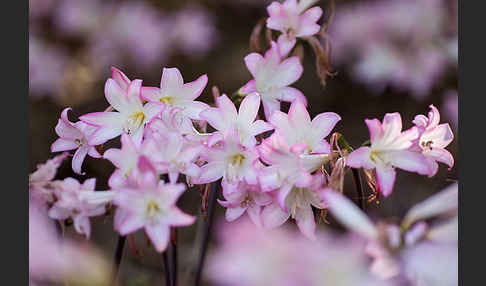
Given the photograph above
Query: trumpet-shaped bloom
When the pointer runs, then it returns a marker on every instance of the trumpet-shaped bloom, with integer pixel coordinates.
(175, 93)
(296, 203)
(272, 78)
(126, 159)
(74, 136)
(389, 150)
(297, 127)
(40, 181)
(79, 202)
(433, 138)
(152, 206)
(230, 160)
(294, 20)
(225, 117)
(130, 115)
(172, 120)
(241, 198)
(288, 166)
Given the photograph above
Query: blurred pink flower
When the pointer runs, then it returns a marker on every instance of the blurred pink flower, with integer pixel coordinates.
(394, 247)
(272, 78)
(130, 115)
(79, 202)
(175, 93)
(389, 150)
(152, 206)
(405, 44)
(225, 117)
(47, 65)
(56, 259)
(433, 138)
(74, 136)
(252, 256)
(79, 18)
(40, 181)
(193, 31)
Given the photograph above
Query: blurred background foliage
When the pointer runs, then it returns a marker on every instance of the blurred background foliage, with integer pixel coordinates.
(73, 44)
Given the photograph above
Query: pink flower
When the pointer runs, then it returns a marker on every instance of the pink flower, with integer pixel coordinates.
(243, 198)
(433, 138)
(175, 155)
(391, 245)
(79, 202)
(288, 165)
(130, 116)
(248, 255)
(173, 120)
(296, 203)
(230, 160)
(225, 117)
(59, 259)
(40, 181)
(297, 127)
(272, 78)
(294, 20)
(389, 150)
(126, 159)
(175, 93)
(152, 206)
(74, 136)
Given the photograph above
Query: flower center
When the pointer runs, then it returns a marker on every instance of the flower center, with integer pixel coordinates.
(427, 145)
(152, 208)
(167, 100)
(237, 160)
(134, 122)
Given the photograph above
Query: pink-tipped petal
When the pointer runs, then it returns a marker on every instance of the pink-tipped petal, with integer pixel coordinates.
(253, 62)
(323, 123)
(151, 94)
(305, 221)
(120, 78)
(249, 108)
(115, 95)
(171, 77)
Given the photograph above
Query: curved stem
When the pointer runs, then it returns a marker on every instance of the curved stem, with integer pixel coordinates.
(207, 232)
(118, 256)
(359, 189)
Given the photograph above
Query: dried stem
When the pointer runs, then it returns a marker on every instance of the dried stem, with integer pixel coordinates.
(207, 233)
(118, 256)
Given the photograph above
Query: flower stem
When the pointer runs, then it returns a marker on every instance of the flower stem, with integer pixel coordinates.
(168, 278)
(207, 233)
(359, 189)
(173, 244)
(118, 256)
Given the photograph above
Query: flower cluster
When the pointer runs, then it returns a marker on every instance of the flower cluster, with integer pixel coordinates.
(272, 164)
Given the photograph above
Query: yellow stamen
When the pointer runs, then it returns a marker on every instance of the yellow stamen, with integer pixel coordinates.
(167, 100)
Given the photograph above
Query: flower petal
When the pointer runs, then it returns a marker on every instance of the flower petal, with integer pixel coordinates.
(78, 159)
(304, 218)
(159, 235)
(249, 109)
(360, 158)
(349, 214)
(273, 216)
(63, 145)
(385, 176)
(323, 123)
